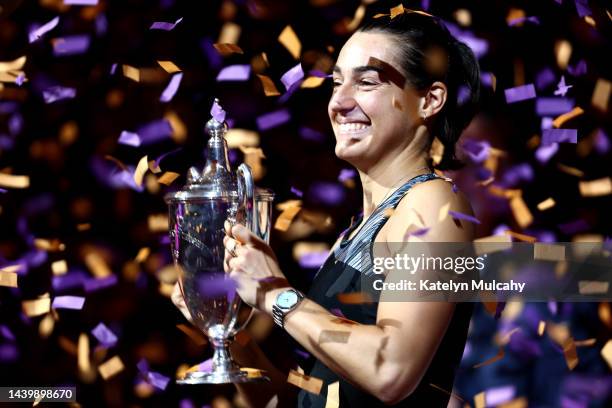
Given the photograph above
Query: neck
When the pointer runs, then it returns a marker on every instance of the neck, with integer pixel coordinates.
(380, 180)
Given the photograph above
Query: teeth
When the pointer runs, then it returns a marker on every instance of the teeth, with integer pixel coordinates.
(352, 127)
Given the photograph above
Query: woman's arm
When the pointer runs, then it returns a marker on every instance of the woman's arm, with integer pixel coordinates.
(388, 359)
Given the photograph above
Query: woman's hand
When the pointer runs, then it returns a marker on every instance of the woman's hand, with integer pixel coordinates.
(252, 264)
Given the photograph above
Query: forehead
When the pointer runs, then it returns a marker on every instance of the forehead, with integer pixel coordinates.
(362, 46)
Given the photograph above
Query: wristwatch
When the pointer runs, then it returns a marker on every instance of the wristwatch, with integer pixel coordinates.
(285, 302)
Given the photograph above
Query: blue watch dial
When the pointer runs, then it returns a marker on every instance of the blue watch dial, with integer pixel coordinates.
(287, 299)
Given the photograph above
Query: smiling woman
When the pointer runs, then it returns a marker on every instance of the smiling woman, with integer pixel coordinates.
(396, 83)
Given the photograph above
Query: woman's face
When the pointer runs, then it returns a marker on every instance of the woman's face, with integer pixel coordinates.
(373, 113)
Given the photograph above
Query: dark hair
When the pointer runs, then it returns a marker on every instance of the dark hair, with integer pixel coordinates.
(430, 53)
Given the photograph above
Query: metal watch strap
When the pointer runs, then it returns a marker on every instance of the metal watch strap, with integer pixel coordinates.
(278, 314)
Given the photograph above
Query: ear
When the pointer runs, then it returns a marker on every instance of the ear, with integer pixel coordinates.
(434, 100)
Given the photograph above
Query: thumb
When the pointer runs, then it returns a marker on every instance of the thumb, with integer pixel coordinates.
(242, 234)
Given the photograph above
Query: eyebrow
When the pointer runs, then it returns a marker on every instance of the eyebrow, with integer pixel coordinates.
(386, 71)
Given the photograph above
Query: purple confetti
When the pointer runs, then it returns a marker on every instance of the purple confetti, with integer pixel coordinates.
(562, 88)
(3, 190)
(516, 173)
(72, 45)
(234, 73)
(544, 78)
(164, 155)
(546, 123)
(499, 395)
(8, 353)
(462, 216)
(346, 175)
(297, 192)
(417, 233)
(68, 302)
(520, 93)
(154, 131)
(58, 93)
(70, 281)
(567, 402)
(579, 69)
(544, 153)
(302, 354)
(601, 142)
(95, 284)
(313, 260)
(519, 20)
(42, 30)
(143, 366)
(477, 150)
(549, 106)
(15, 124)
(80, 2)
(273, 119)
(101, 25)
(6, 332)
(293, 76)
(559, 136)
(162, 25)
(104, 335)
(582, 7)
(217, 112)
(217, 286)
(574, 227)
(312, 135)
(212, 55)
(129, 139)
(326, 193)
(20, 79)
(172, 87)
(205, 366)
(113, 69)
(158, 380)
(552, 307)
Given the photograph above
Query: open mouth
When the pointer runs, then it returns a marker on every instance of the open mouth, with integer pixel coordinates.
(353, 129)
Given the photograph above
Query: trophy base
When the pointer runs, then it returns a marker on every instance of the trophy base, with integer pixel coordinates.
(232, 377)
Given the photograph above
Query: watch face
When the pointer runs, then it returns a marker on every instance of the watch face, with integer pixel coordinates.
(287, 299)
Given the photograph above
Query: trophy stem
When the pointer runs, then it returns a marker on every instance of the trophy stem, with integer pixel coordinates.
(222, 361)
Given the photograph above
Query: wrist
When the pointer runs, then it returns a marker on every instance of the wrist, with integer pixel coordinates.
(271, 296)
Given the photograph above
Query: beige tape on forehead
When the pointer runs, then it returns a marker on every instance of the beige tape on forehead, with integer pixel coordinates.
(390, 73)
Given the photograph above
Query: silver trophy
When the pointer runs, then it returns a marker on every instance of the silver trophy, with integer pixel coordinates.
(197, 214)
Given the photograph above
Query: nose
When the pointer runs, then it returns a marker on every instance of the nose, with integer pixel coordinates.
(342, 99)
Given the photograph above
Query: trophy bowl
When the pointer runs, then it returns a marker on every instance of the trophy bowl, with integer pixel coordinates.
(196, 238)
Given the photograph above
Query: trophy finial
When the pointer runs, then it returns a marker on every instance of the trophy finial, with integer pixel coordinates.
(216, 126)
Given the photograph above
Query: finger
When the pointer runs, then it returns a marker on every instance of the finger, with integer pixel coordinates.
(244, 235)
(227, 226)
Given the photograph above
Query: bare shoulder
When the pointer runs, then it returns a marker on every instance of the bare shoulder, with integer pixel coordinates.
(425, 208)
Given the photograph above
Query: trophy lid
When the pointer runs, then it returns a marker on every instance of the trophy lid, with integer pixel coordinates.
(216, 180)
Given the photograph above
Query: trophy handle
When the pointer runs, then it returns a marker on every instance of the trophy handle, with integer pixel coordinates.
(246, 194)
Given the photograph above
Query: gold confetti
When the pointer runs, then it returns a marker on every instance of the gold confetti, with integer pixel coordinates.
(333, 395)
(291, 42)
(605, 314)
(45, 328)
(84, 226)
(515, 403)
(312, 82)
(241, 137)
(548, 252)
(8, 279)
(521, 237)
(569, 352)
(480, 400)
(131, 72)
(143, 254)
(500, 354)
(541, 327)
(111, 367)
(521, 213)
(36, 307)
(167, 178)
(492, 243)
(601, 94)
(50, 245)
(606, 353)
(83, 362)
(443, 213)
(252, 372)
(585, 342)
(357, 18)
(561, 119)
(572, 171)
(230, 33)
(268, 85)
(13, 181)
(334, 336)
(436, 151)
(228, 49)
(586, 287)
(158, 222)
(179, 130)
(13, 65)
(169, 66)
(97, 265)
(59, 267)
(396, 11)
(286, 217)
(563, 52)
(10, 268)
(546, 204)
(595, 188)
(141, 169)
(305, 382)
(354, 298)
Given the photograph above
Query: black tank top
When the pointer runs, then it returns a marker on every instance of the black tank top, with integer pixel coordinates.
(342, 273)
